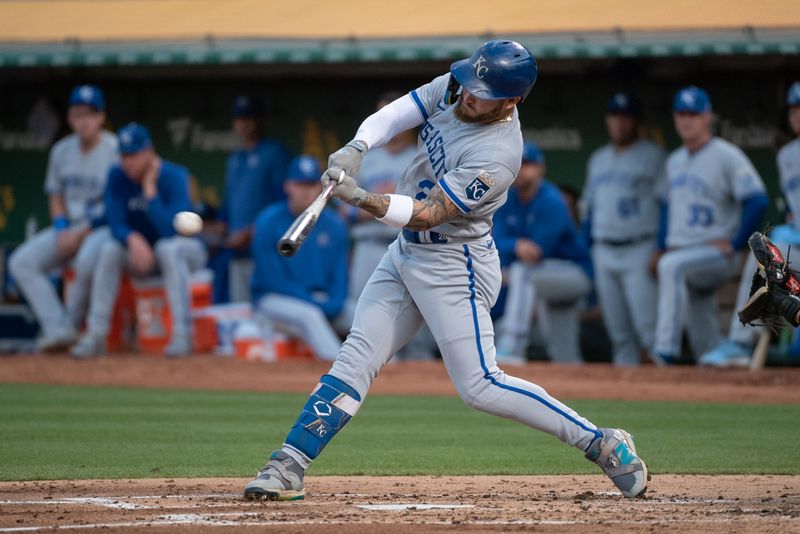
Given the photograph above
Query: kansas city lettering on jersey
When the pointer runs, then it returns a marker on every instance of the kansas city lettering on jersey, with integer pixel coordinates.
(694, 183)
(434, 143)
(84, 184)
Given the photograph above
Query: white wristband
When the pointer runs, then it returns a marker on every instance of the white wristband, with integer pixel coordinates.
(399, 212)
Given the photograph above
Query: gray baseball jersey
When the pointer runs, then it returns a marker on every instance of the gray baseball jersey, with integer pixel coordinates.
(620, 191)
(474, 164)
(789, 170)
(81, 178)
(705, 192)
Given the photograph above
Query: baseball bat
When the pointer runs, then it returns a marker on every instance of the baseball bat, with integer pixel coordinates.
(304, 223)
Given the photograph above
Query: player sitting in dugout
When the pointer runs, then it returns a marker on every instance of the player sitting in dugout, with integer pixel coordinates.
(547, 263)
(77, 169)
(303, 294)
(737, 348)
(143, 194)
(715, 200)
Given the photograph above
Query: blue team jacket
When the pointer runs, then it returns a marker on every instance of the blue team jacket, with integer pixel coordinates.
(316, 274)
(127, 210)
(253, 180)
(545, 220)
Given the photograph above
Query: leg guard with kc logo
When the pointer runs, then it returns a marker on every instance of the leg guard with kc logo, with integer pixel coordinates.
(329, 408)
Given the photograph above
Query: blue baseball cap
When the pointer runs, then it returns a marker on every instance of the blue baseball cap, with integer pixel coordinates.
(304, 169)
(531, 153)
(793, 96)
(691, 100)
(87, 95)
(133, 138)
(624, 104)
(247, 107)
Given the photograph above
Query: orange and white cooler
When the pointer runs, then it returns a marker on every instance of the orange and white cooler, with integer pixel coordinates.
(154, 323)
(252, 341)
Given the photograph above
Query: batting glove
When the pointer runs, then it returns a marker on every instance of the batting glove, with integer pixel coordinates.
(348, 157)
(346, 189)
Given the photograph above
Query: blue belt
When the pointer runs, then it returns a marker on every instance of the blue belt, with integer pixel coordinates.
(435, 238)
(625, 242)
(424, 238)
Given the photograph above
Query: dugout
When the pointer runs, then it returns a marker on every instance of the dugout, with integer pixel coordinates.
(176, 65)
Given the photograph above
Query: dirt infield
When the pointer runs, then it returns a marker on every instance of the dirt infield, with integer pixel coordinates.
(399, 504)
(591, 381)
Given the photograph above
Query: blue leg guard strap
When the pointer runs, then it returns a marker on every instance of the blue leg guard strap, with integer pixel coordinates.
(331, 405)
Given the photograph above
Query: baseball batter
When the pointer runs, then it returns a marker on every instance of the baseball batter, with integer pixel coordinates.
(715, 201)
(443, 269)
(76, 176)
(736, 350)
(621, 216)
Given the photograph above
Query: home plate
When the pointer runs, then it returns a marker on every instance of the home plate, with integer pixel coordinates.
(392, 507)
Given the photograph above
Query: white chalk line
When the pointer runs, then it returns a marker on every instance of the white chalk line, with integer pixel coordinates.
(121, 503)
(412, 506)
(208, 519)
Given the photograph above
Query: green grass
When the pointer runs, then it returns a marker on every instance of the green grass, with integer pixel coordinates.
(51, 432)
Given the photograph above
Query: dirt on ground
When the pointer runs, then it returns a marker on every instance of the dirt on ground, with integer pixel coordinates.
(590, 381)
(686, 503)
(708, 504)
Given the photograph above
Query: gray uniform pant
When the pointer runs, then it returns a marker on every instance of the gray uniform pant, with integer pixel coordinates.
(367, 255)
(687, 282)
(628, 295)
(30, 265)
(240, 276)
(554, 289)
(303, 320)
(451, 288)
(177, 258)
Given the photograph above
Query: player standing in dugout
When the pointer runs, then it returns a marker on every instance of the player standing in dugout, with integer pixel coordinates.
(442, 269)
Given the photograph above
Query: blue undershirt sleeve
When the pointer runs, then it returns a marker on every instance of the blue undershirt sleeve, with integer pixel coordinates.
(753, 208)
(663, 216)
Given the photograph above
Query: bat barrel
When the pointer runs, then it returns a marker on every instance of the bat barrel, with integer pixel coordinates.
(287, 247)
(302, 226)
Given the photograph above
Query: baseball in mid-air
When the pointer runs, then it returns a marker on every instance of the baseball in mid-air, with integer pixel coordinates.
(187, 223)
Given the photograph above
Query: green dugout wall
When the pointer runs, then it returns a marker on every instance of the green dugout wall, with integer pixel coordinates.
(317, 107)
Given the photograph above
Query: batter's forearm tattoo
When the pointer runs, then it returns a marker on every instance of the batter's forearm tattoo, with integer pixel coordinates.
(433, 211)
(375, 204)
(428, 213)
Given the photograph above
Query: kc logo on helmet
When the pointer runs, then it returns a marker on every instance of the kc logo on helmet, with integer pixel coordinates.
(480, 67)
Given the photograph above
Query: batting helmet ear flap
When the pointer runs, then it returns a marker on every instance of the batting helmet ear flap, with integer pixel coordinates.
(453, 88)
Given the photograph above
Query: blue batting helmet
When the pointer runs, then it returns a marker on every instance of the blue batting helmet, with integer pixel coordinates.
(498, 69)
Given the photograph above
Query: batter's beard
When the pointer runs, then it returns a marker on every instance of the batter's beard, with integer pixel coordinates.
(483, 118)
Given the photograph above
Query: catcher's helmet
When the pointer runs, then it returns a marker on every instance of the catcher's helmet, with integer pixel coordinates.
(498, 69)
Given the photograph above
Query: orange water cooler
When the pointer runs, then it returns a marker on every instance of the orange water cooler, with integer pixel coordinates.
(154, 323)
